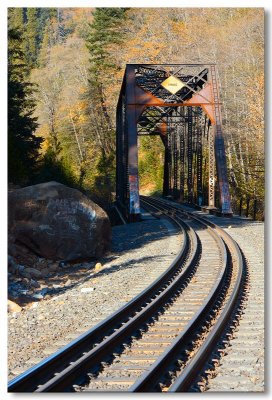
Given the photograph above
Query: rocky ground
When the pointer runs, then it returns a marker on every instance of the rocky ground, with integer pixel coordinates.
(56, 302)
(64, 302)
(242, 369)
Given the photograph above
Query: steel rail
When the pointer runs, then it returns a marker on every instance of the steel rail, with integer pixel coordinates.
(187, 377)
(149, 378)
(39, 374)
(94, 357)
(28, 380)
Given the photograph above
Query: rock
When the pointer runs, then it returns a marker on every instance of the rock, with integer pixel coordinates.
(44, 284)
(38, 296)
(21, 268)
(58, 223)
(24, 292)
(78, 265)
(13, 294)
(44, 291)
(29, 260)
(11, 261)
(88, 265)
(87, 290)
(13, 307)
(66, 266)
(33, 272)
(68, 283)
(56, 286)
(12, 250)
(45, 271)
(12, 265)
(39, 266)
(34, 283)
(53, 267)
(25, 274)
(97, 267)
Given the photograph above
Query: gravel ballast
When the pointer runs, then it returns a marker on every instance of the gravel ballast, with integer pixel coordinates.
(140, 253)
(242, 368)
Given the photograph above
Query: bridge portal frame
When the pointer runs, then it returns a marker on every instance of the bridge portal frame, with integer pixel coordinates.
(133, 100)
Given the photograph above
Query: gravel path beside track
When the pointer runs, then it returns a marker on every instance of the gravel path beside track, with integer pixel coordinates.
(242, 368)
(140, 253)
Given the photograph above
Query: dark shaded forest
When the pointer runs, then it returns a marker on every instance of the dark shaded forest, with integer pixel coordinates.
(65, 68)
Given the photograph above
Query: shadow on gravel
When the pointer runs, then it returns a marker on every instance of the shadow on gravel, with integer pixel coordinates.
(233, 222)
(127, 265)
(137, 235)
(124, 238)
(224, 222)
(92, 275)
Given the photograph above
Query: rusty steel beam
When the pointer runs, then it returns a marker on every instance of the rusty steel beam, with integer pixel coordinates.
(220, 154)
(147, 86)
(133, 111)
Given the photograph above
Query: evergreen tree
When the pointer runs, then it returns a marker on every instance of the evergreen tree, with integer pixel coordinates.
(16, 18)
(34, 25)
(22, 144)
(104, 30)
(45, 46)
(44, 15)
(32, 37)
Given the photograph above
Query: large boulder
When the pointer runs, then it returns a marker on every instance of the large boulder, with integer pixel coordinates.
(58, 222)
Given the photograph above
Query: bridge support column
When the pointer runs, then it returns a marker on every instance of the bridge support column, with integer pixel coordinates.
(221, 161)
(181, 130)
(133, 111)
(165, 190)
(199, 165)
(211, 202)
(133, 176)
(190, 156)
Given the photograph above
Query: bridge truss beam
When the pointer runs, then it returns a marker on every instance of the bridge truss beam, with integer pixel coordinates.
(179, 102)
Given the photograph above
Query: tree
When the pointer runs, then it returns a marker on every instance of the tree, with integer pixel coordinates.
(16, 18)
(23, 145)
(77, 98)
(104, 30)
(32, 37)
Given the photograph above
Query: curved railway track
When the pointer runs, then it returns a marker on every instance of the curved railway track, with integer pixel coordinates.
(160, 340)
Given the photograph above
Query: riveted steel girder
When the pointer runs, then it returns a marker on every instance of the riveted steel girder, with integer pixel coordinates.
(151, 96)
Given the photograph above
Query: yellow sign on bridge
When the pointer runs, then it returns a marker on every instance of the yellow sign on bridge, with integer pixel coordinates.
(172, 84)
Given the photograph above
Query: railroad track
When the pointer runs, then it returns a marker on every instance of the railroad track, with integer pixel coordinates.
(163, 338)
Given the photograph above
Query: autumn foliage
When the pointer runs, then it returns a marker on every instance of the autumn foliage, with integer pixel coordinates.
(78, 60)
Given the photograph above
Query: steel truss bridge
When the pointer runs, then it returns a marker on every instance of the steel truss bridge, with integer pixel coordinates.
(180, 103)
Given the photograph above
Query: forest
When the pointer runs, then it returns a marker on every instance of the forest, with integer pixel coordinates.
(65, 68)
